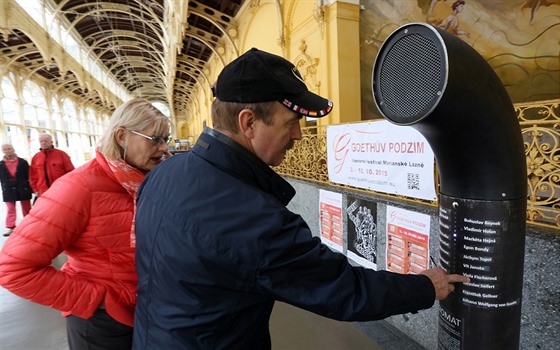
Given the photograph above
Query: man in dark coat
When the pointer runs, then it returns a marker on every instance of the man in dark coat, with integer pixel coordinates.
(216, 245)
(14, 177)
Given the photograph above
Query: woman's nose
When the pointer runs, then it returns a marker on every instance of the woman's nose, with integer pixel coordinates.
(163, 147)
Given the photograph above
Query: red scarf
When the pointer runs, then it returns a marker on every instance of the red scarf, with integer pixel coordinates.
(130, 178)
(12, 164)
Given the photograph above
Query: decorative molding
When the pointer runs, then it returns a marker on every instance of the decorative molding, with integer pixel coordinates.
(254, 5)
(4, 34)
(307, 66)
(320, 17)
(281, 41)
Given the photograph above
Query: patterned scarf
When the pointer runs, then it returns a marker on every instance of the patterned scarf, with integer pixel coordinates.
(130, 178)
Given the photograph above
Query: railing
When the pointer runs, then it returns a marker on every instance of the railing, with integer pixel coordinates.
(540, 127)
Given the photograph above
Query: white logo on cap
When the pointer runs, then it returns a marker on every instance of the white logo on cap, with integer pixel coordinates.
(297, 74)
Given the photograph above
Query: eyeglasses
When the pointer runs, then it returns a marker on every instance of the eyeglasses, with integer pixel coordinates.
(154, 140)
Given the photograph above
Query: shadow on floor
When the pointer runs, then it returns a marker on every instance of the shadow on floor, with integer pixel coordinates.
(292, 328)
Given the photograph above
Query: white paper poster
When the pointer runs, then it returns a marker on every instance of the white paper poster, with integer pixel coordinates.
(362, 232)
(408, 241)
(382, 157)
(330, 215)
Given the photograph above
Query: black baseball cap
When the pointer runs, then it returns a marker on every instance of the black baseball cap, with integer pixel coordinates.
(259, 76)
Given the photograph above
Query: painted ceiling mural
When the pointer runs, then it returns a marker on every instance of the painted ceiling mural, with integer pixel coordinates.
(520, 39)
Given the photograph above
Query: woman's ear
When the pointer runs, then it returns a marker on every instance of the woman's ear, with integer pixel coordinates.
(120, 136)
(247, 120)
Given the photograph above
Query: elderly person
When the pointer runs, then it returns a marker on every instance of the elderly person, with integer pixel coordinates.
(88, 215)
(48, 165)
(14, 177)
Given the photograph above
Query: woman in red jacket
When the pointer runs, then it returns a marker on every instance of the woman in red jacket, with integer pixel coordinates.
(89, 215)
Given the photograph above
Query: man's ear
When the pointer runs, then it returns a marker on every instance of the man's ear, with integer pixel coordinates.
(247, 120)
(120, 136)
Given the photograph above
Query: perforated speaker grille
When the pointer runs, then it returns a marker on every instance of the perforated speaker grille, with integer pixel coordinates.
(409, 75)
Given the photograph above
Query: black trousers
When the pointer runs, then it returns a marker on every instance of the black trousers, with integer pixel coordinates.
(100, 332)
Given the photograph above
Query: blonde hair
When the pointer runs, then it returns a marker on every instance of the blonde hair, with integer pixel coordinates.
(135, 115)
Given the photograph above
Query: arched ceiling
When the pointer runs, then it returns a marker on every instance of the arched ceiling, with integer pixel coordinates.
(153, 52)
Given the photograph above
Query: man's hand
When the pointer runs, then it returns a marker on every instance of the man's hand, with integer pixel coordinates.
(443, 283)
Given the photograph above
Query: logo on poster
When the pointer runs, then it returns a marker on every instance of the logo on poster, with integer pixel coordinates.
(340, 148)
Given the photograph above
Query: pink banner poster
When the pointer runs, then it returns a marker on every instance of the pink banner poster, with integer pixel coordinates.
(330, 211)
(408, 241)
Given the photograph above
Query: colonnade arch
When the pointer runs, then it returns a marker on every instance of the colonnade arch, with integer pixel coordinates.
(28, 108)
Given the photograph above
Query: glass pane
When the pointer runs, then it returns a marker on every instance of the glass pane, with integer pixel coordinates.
(10, 109)
(8, 89)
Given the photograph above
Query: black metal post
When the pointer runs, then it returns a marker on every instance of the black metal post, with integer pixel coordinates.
(434, 82)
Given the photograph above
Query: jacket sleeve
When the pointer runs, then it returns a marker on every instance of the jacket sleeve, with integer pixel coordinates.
(3, 170)
(54, 223)
(296, 268)
(68, 166)
(33, 176)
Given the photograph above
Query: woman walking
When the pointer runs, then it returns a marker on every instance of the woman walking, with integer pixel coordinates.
(14, 176)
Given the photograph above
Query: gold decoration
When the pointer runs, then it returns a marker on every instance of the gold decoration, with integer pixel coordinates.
(254, 5)
(4, 34)
(540, 126)
(307, 66)
(320, 17)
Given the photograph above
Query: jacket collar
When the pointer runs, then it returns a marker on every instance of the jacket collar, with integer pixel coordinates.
(231, 157)
(46, 150)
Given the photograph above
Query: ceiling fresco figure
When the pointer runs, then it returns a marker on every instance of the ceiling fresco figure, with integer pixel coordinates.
(451, 23)
(535, 4)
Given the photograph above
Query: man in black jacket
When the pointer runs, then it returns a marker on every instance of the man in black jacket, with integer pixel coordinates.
(216, 245)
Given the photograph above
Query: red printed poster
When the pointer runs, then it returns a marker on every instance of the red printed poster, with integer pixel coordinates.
(408, 241)
(330, 214)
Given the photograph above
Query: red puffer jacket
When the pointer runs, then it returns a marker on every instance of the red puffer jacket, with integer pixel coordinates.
(53, 162)
(87, 215)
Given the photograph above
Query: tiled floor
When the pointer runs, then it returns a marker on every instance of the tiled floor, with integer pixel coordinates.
(28, 326)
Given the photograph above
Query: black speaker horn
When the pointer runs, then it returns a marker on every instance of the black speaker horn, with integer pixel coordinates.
(434, 82)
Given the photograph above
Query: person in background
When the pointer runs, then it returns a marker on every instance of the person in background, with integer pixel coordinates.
(88, 215)
(216, 244)
(48, 165)
(14, 177)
